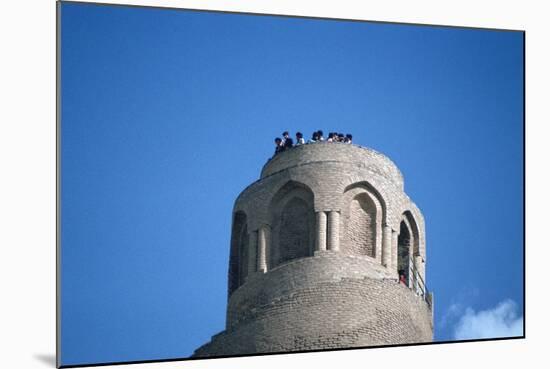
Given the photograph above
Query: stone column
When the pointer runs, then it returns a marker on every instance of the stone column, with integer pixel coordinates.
(321, 219)
(252, 248)
(386, 247)
(333, 230)
(263, 234)
(394, 236)
(268, 244)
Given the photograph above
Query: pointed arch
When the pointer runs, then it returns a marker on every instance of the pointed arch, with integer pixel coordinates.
(408, 249)
(412, 225)
(238, 258)
(363, 214)
(292, 222)
(404, 251)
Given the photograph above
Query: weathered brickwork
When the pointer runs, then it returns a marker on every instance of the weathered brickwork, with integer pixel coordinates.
(292, 220)
(315, 249)
(360, 224)
(326, 152)
(294, 231)
(328, 189)
(238, 260)
(360, 227)
(356, 309)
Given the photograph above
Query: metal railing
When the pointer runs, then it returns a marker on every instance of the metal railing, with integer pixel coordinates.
(417, 284)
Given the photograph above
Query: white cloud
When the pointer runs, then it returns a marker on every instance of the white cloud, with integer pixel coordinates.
(458, 306)
(502, 321)
(452, 313)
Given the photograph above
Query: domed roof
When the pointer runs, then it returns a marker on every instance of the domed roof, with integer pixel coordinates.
(355, 155)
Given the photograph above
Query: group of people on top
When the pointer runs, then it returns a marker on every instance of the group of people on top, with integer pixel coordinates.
(286, 142)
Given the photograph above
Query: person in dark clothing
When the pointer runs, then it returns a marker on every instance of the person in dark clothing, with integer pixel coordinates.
(402, 277)
(314, 137)
(287, 141)
(348, 138)
(279, 146)
(320, 136)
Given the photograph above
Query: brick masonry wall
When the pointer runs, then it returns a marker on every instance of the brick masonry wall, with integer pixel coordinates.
(328, 169)
(293, 221)
(294, 231)
(243, 255)
(303, 306)
(360, 229)
(238, 224)
(358, 224)
(324, 299)
(326, 152)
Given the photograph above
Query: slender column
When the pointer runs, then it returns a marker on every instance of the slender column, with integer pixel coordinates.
(267, 246)
(262, 247)
(394, 251)
(321, 218)
(333, 230)
(252, 248)
(386, 246)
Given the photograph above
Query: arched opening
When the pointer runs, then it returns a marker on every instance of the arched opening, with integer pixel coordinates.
(293, 232)
(361, 221)
(243, 254)
(414, 233)
(361, 226)
(414, 267)
(403, 251)
(238, 258)
(293, 221)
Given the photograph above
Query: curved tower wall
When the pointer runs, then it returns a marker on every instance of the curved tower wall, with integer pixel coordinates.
(316, 246)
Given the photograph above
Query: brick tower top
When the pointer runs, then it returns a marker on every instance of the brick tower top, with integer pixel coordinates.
(326, 196)
(326, 251)
(355, 155)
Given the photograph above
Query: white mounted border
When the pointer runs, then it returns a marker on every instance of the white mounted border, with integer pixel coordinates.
(27, 197)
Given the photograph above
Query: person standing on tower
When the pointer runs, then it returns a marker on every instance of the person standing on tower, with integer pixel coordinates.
(320, 136)
(287, 141)
(278, 145)
(314, 138)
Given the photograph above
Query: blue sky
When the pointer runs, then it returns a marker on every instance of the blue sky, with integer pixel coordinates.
(167, 115)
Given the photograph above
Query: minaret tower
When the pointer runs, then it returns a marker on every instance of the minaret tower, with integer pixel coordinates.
(318, 247)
